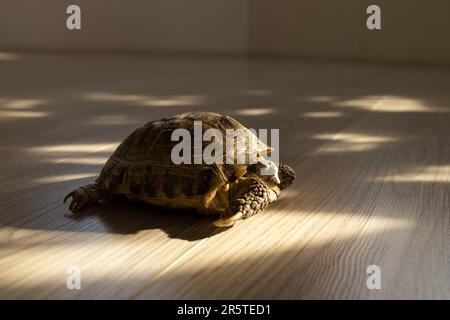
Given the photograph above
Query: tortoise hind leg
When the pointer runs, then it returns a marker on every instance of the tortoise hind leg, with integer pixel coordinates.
(84, 197)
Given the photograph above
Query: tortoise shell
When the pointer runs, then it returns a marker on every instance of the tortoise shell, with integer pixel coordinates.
(141, 168)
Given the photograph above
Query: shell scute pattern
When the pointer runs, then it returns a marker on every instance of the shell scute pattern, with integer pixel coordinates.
(141, 166)
(141, 169)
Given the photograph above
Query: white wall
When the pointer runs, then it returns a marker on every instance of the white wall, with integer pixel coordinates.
(161, 25)
(412, 30)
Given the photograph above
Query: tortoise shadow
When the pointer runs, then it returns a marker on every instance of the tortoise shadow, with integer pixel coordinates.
(177, 224)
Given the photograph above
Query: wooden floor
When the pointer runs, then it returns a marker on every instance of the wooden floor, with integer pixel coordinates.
(370, 144)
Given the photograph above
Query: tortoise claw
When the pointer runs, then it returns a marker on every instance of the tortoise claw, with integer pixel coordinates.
(82, 197)
(70, 194)
(76, 203)
(228, 222)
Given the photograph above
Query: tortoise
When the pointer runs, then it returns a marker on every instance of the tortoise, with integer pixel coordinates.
(141, 169)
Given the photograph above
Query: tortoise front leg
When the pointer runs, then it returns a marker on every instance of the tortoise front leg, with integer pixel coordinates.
(252, 197)
(83, 197)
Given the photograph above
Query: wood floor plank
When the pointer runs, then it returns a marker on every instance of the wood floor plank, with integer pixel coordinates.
(370, 144)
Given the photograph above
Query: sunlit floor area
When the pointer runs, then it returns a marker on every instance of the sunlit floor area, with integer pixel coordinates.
(370, 144)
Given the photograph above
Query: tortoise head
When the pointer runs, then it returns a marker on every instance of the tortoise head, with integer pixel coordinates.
(286, 174)
(266, 170)
(281, 175)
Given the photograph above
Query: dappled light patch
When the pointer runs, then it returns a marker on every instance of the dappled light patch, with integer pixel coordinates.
(78, 160)
(322, 114)
(10, 56)
(254, 111)
(146, 100)
(389, 104)
(184, 100)
(321, 99)
(112, 97)
(21, 108)
(303, 233)
(351, 142)
(434, 173)
(69, 148)
(23, 114)
(89, 154)
(19, 104)
(355, 137)
(65, 177)
(258, 92)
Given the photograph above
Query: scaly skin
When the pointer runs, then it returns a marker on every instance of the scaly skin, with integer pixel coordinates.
(252, 196)
(84, 197)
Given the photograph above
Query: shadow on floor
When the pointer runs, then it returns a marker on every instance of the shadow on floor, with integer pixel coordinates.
(175, 223)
